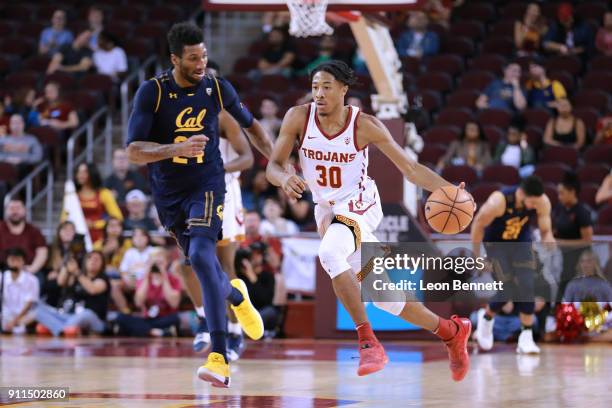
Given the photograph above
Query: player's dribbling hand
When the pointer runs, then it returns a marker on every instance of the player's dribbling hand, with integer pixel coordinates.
(192, 147)
(294, 186)
(462, 187)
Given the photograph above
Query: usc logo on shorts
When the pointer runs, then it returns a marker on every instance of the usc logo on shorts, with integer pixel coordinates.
(220, 211)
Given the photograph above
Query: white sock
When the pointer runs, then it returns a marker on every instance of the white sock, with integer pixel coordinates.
(234, 328)
(200, 312)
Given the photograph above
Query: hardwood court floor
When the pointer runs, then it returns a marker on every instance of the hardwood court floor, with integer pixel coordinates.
(105, 372)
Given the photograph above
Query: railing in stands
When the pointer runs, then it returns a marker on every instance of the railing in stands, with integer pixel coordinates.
(128, 88)
(31, 198)
(102, 119)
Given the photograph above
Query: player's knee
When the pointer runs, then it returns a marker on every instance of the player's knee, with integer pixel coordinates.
(336, 246)
(202, 253)
(395, 308)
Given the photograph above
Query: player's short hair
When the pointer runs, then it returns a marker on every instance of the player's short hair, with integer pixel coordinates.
(570, 181)
(182, 34)
(532, 186)
(338, 69)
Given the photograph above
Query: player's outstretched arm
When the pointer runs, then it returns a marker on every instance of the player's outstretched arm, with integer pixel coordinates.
(494, 207)
(277, 172)
(259, 137)
(232, 131)
(372, 130)
(543, 210)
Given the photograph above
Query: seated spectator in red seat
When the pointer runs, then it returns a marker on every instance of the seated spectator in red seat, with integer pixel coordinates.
(505, 93)
(74, 58)
(274, 224)
(604, 193)
(439, 11)
(54, 112)
(589, 282)
(22, 102)
(54, 37)
(123, 179)
(95, 20)
(472, 149)
(15, 232)
(515, 151)
(110, 59)
(327, 48)
(137, 217)
(541, 91)
(278, 57)
(20, 292)
(417, 41)
(604, 131)
(84, 300)
(158, 294)
(568, 35)
(529, 31)
(566, 129)
(603, 40)
(269, 116)
(19, 147)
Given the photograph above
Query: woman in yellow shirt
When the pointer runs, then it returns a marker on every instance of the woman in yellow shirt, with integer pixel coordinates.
(113, 245)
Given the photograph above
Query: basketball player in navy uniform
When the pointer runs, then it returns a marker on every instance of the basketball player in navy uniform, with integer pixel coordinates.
(174, 130)
(506, 217)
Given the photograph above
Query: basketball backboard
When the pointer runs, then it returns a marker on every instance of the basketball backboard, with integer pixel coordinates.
(334, 5)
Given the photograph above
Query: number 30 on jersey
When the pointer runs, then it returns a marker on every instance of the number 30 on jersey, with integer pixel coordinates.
(329, 176)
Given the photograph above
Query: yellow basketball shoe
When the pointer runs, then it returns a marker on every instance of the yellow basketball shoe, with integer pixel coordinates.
(216, 371)
(247, 315)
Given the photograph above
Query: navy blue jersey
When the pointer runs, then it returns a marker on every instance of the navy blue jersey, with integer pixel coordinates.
(513, 225)
(165, 113)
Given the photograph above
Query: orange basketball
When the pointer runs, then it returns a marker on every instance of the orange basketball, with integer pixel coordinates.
(449, 210)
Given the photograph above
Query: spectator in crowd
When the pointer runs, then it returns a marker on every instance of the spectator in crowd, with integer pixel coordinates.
(252, 227)
(603, 40)
(515, 151)
(133, 267)
(74, 58)
(274, 224)
(327, 48)
(278, 57)
(439, 11)
(256, 189)
(53, 111)
(541, 91)
(566, 129)
(22, 102)
(54, 37)
(97, 202)
(568, 35)
(589, 283)
(20, 291)
(84, 300)
(110, 59)
(123, 179)
(95, 20)
(114, 246)
(299, 211)
(137, 217)
(505, 93)
(158, 295)
(275, 19)
(472, 149)
(604, 131)
(572, 226)
(529, 31)
(15, 232)
(417, 41)
(269, 116)
(67, 244)
(4, 120)
(261, 284)
(19, 147)
(604, 193)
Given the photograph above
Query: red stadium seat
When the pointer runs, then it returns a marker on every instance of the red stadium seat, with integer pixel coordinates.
(498, 173)
(65, 80)
(436, 81)
(411, 65)
(550, 189)
(18, 12)
(592, 98)
(274, 83)
(7, 28)
(429, 100)
(498, 45)
(560, 154)
(449, 63)
(601, 63)
(589, 116)
(604, 220)
(166, 13)
(454, 117)
(483, 190)
(31, 29)
(461, 46)
(538, 117)
(152, 30)
(591, 10)
(129, 13)
(514, 10)
(245, 64)
(503, 29)
(598, 80)
(598, 154)
(493, 134)
(242, 83)
(431, 154)
(587, 194)
(46, 135)
(97, 83)
(469, 28)
(17, 45)
(493, 63)
(457, 174)
(119, 28)
(475, 11)
(8, 172)
(476, 80)
(570, 64)
(495, 117)
(85, 101)
(38, 63)
(462, 99)
(551, 172)
(566, 79)
(593, 173)
(534, 137)
(443, 135)
(23, 79)
(141, 48)
(6, 65)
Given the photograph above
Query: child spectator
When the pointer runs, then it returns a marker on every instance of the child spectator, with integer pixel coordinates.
(158, 295)
(20, 292)
(54, 37)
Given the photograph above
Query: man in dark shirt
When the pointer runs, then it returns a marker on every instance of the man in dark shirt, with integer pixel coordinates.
(572, 227)
(278, 56)
(122, 179)
(73, 58)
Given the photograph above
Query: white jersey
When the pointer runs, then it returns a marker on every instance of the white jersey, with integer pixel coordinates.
(228, 154)
(333, 167)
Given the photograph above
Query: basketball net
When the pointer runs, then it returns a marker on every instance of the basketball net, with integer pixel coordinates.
(308, 18)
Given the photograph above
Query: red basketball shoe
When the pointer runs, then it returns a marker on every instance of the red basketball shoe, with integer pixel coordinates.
(372, 357)
(457, 348)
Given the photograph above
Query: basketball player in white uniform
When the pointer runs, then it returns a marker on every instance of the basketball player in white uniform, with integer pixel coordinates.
(333, 144)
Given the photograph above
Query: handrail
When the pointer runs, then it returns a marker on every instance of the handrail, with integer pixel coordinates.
(88, 129)
(30, 200)
(124, 91)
